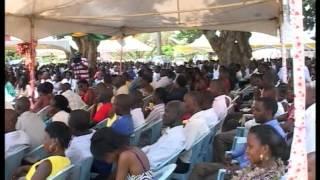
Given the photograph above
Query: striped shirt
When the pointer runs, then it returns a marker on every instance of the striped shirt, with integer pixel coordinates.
(156, 113)
(81, 70)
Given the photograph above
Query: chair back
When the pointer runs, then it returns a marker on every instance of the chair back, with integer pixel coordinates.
(63, 174)
(207, 151)
(154, 130)
(196, 149)
(90, 108)
(221, 174)
(165, 172)
(171, 160)
(13, 161)
(135, 136)
(81, 171)
(241, 132)
(101, 124)
(37, 153)
(43, 113)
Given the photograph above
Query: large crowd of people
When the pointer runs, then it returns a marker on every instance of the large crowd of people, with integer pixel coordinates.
(69, 101)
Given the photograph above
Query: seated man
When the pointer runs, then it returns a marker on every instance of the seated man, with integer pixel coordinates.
(156, 111)
(221, 102)
(29, 122)
(75, 101)
(14, 139)
(124, 123)
(136, 109)
(207, 110)
(173, 139)
(79, 148)
(195, 128)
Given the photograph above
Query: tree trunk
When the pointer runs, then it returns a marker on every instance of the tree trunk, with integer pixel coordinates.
(230, 46)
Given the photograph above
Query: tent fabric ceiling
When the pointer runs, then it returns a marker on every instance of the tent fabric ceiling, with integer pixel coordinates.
(123, 17)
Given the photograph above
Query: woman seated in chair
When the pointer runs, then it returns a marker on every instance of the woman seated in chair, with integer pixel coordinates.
(103, 107)
(267, 152)
(112, 147)
(56, 140)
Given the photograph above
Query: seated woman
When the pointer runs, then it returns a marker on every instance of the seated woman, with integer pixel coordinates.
(59, 109)
(45, 95)
(112, 147)
(267, 152)
(103, 106)
(56, 140)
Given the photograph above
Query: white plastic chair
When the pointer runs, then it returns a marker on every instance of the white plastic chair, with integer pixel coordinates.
(64, 174)
(82, 169)
(165, 172)
(13, 161)
(43, 113)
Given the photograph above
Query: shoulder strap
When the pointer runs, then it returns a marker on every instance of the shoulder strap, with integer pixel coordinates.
(144, 168)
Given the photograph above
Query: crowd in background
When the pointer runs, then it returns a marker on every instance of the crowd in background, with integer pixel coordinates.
(190, 99)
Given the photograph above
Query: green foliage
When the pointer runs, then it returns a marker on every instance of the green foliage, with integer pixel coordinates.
(11, 55)
(309, 13)
(189, 35)
(167, 50)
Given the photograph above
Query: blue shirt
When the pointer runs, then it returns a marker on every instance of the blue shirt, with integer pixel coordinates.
(123, 125)
(240, 154)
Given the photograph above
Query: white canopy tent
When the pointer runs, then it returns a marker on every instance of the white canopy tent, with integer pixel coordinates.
(129, 44)
(120, 17)
(201, 43)
(61, 44)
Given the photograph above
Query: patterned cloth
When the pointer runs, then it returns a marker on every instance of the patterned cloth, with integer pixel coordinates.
(144, 176)
(275, 172)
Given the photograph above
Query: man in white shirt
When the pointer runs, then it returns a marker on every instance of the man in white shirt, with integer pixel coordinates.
(216, 73)
(29, 122)
(79, 123)
(75, 101)
(156, 74)
(69, 79)
(207, 111)
(14, 139)
(173, 138)
(136, 109)
(164, 80)
(310, 118)
(196, 127)
(59, 109)
(221, 102)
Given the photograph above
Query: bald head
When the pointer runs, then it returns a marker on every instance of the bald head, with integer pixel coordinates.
(270, 92)
(22, 105)
(173, 113)
(310, 94)
(10, 120)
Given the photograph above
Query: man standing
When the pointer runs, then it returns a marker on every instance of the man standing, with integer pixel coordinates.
(80, 67)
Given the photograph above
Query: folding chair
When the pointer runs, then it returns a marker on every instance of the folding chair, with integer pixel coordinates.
(172, 160)
(81, 171)
(13, 161)
(63, 175)
(135, 136)
(43, 113)
(165, 172)
(153, 130)
(221, 174)
(241, 132)
(238, 143)
(37, 153)
(195, 157)
(101, 124)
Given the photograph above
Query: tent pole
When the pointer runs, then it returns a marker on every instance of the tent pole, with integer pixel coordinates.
(283, 55)
(298, 156)
(32, 56)
(121, 54)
